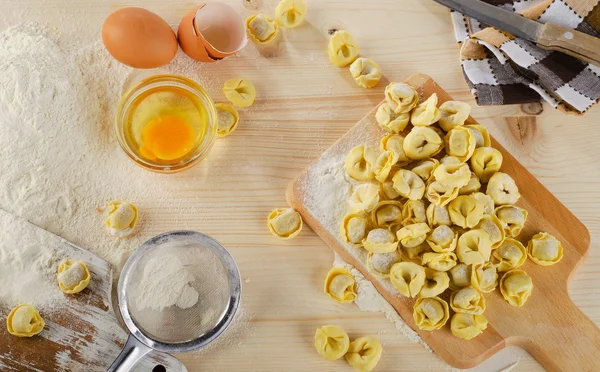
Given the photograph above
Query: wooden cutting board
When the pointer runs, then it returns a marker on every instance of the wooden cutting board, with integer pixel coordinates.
(549, 326)
(80, 335)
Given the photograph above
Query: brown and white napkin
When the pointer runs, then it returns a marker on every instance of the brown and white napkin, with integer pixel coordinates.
(501, 69)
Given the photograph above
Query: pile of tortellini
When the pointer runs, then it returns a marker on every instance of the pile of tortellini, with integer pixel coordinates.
(332, 343)
(425, 221)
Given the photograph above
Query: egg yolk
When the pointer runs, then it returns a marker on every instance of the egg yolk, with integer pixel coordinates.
(167, 138)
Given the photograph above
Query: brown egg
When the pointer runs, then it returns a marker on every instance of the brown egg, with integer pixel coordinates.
(139, 38)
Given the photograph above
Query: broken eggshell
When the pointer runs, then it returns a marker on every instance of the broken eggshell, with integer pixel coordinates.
(210, 32)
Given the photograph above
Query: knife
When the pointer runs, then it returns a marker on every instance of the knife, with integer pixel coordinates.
(547, 36)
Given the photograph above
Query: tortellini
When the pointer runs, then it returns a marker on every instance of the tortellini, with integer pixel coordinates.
(425, 168)
(408, 184)
(415, 254)
(342, 49)
(468, 326)
(228, 119)
(485, 200)
(365, 72)
(494, 228)
(482, 136)
(453, 175)
(510, 255)
(354, 228)
(387, 213)
(436, 282)
(413, 235)
(364, 198)
(443, 239)
(120, 218)
(360, 163)
(544, 249)
(422, 143)
(467, 301)
(285, 223)
(437, 215)
(364, 353)
(439, 194)
(387, 190)
(389, 120)
(453, 113)
(503, 189)
(261, 28)
(474, 246)
(383, 165)
(240, 92)
(513, 219)
(408, 278)
(290, 13)
(340, 285)
(484, 277)
(460, 143)
(430, 313)
(439, 261)
(450, 160)
(24, 321)
(460, 276)
(516, 287)
(331, 342)
(380, 241)
(426, 113)
(485, 162)
(380, 264)
(413, 212)
(465, 212)
(471, 187)
(402, 98)
(394, 142)
(73, 276)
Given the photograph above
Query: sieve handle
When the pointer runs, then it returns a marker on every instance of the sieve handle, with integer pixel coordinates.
(131, 353)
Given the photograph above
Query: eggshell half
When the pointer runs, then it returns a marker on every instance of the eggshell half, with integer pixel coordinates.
(139, 38)
(189, 41)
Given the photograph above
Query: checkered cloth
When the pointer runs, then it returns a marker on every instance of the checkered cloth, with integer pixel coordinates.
(501, 69)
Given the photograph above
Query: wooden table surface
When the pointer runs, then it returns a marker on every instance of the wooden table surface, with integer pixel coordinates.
(304, 104)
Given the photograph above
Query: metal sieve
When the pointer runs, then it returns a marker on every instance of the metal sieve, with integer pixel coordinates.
(174, 329)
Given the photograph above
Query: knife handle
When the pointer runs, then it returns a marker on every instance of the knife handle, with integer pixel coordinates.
(574, 43)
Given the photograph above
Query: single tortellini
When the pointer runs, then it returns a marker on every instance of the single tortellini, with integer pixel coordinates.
(471, 187)
(408, 278)
(460, 143)
(503, 189)
(120, 218)
(360, 163)
(401, 97)
(380, 264)
(453, 113)
(285, 223)
(436, 282)
(340, 285)
(228, 119)
(240, 92)
(386, 213)
(415, 254)
(494, 228)
(485, 200)
(450, 160)
(482, 136)
(383, 165)
(510, 255)
(465, 211)
(73, 276)
(439, 261)
(425, 168)
(342, 49)
(426, 113)
(387, 190)
(485, 162)
(261, 29)
(354, 228)
(516, 287)
(437, 215)
(467, 301)
(544, 249)
(331, 342)
(468, 326)
(24, 321)
(484, 277)
(413, 212)
(513, 219)
(394, 142)
(364, 198)
(390, 121)
(380, 241)
(474, 246)
(408, 184)
(453, 175)
(413, 235)
(443, 239)
(430, 313)
(365, 72)
(422, 143)
(439, 194)
(290, 13)
(460, 276)
(364, 353)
